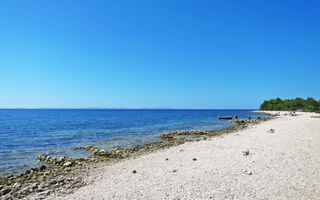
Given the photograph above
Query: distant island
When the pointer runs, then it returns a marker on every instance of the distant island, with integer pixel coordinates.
(297, 104)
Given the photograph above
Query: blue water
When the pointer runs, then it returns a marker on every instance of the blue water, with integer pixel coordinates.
(25, 133)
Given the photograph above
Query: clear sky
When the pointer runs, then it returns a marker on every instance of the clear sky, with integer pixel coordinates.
(157, 54)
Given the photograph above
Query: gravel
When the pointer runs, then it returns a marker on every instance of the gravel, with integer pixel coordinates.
(285, 165)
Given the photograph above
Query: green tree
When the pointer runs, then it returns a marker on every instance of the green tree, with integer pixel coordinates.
(311, 105)
(298, 104)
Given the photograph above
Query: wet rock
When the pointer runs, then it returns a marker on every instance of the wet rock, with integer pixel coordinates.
(34, 169)
(169, 139)
(42, 167)
(41, 157)
(53, 160)
(245, 152)
(172, 135)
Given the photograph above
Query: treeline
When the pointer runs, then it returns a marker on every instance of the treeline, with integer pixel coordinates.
(297, 104)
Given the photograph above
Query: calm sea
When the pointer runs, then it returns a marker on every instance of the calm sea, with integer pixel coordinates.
(25, 133)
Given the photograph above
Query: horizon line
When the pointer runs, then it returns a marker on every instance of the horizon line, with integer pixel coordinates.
(102, 108)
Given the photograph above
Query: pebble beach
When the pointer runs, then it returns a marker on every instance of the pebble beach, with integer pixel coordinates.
(253, 163)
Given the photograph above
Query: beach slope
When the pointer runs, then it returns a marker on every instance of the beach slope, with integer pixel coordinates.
(284, 164)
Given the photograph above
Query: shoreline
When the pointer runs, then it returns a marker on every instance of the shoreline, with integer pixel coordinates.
(43, 179)
(103, 138)
(253, 163)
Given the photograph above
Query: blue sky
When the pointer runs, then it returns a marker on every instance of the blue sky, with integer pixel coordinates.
(154, 54)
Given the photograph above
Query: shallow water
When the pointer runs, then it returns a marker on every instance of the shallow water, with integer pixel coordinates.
(25, 133)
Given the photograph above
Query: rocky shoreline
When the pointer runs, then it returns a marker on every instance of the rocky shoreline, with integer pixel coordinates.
(63, 175)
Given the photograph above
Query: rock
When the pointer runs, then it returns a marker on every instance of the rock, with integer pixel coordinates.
(7, 197)
(134, 171)
(41, 187)
(271, 131)
(204, 138)
(60, 160)
(248, 173)
(45, 193)
(24, 190)
(167, 158)
(52, 182)
(16, 185)
(34, 169)
(68, 164)
(61, 180)
(69, 179)
(42, 167)
(174, 170)
(194, 159)
(5, 191)
(34, 186)
(46, 173)
(41, 157)
(245, 152)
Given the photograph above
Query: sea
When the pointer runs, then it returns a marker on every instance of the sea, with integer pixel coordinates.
(26, 133)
